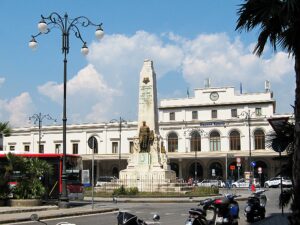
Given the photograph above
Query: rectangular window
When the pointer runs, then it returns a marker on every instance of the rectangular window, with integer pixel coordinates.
(57, 148)
(75, 148)
(131, 147)
(12, 148)
(172, 115)
(214, 114)
(1, 142)
(258, 112)
(234, 113)
(114, 147)
(194, 115)
(26, 148)
(41, 149)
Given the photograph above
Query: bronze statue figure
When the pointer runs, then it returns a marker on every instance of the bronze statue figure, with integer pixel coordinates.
(145, 137)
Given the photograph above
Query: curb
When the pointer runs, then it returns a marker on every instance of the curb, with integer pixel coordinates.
(63, 214)
(23, 210)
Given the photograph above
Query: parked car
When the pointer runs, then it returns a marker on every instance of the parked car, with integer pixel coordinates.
(211, 183)
(105, 179)
(241, 183)
(275, 182)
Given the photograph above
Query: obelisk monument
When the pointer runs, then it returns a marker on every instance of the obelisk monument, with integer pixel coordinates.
(147, 163)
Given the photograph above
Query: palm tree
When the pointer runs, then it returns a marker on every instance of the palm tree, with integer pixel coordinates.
(5, 131)
(283, 138)
(278, 22)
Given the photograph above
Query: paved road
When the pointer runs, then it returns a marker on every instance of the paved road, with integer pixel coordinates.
(171, 213)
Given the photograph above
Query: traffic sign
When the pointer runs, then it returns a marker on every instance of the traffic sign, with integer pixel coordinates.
(259, 170)
(232, 167)
(253, 163)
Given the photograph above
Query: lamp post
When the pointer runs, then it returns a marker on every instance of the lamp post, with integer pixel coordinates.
(38, 118)
(248, 115)
(120, 121)
(65, 25)
(190, 132)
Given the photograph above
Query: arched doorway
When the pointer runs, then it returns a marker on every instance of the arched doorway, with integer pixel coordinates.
(264, 175)
(115, 172)
(216, 171)
(175, 167)
(192, 173)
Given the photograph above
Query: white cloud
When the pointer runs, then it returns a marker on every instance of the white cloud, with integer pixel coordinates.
(85, 92)
(16, 110)
(108, 86)
(2, 80)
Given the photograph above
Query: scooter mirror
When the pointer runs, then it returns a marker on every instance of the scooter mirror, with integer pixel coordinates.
(156, 217)
(34, 217)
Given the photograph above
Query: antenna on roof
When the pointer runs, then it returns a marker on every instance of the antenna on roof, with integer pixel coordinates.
(187, 92)
(207, 83)
(267, 86)
(241, 88)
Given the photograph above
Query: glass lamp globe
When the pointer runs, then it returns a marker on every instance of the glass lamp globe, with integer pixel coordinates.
(84, 49)
(33, 44)
(42, 26)
(99, 33)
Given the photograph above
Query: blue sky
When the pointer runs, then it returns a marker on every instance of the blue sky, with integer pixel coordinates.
(188, 41)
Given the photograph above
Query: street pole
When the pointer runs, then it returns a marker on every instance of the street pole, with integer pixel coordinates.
(249, 134)
(38, 118)
(65, 25)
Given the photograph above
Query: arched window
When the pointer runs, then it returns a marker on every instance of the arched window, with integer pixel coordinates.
(215, 170)
(259, 139)
(195, 141)
(235, 140)
(172, 142)
(215, 141)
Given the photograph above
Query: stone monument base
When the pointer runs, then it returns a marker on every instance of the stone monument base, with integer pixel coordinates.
(147, 180)
(146, 173)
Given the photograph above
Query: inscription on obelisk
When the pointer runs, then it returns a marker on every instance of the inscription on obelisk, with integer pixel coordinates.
(148, 98)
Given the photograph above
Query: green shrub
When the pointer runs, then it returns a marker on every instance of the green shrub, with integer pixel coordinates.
(120, 191)
(132, 191)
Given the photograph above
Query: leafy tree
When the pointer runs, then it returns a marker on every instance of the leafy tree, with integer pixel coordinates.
(28, 178)
(278, 22)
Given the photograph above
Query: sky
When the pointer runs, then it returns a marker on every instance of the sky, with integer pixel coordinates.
(188, 41)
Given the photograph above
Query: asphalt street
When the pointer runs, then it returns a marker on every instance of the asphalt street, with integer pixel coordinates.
(171, 213)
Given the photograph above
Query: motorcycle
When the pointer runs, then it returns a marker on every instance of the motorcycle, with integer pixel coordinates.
(256, 206)
(35, 217)
(224, 211)
(125, 218)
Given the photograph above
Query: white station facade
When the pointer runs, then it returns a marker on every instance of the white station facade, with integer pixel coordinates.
(217, 128)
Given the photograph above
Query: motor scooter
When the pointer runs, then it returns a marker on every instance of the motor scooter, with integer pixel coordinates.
(225, 210)
(35, 217)
(256, 206)
(125, 218)
(196, 216)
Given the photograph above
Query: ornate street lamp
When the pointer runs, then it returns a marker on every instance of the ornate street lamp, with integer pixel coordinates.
(38, 118)
(247, 116)
(65, 25)
(120, 121)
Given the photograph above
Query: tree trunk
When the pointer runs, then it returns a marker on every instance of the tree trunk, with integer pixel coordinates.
(295, 218)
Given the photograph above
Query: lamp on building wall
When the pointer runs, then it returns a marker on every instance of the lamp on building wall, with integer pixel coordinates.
(120, 121)
(188, 133)
(65, 25)
(38, 118)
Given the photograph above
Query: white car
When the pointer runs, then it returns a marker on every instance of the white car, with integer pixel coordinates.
(211, 183)
(243, 183)
(275, 182)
